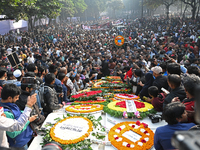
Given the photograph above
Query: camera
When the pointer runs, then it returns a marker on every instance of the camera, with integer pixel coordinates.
(52, 146)
(155, 118)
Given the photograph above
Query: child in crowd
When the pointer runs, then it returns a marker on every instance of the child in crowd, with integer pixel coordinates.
(157, 99)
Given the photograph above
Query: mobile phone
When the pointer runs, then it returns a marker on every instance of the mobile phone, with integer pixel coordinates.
(164, 90)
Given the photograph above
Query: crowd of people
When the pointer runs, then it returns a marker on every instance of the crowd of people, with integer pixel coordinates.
(160, 59)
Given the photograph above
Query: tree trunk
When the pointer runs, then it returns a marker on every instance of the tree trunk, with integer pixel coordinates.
(30, 24)
(193, 12)
(167, 11)
(197, 15)
(185, 11)
(50, 20)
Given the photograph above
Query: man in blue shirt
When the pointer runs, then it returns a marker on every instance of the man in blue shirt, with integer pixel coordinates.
(174, 114)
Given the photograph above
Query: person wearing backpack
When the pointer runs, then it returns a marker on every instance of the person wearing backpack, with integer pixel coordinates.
(17, 139)
(26, 90)
(157, 99)
(50, 96)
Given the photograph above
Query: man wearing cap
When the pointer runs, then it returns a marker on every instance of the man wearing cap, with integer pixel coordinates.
(18, 75)
(160, 81)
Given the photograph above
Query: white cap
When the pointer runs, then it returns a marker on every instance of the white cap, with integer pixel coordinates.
(157, 69)
(17, 73)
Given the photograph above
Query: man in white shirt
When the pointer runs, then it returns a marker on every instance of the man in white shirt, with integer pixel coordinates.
(31, 59)
(7, 124)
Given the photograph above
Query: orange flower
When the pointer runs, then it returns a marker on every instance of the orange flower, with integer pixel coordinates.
(130, 126)
(84, 108)
(57, 139)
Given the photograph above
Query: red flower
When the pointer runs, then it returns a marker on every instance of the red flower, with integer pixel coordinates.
(133, 126)
(116, 138)
(145, 125)
(138, 123)
(128, 145)
(139, 104)
(121, 104)
(119, 129)
(143, 141)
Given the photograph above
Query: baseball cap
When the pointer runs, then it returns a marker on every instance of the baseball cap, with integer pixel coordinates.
(157, 69)
(17, 73)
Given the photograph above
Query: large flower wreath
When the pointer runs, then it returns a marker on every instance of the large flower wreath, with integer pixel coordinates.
(118, 109)
(83, 143)
(144, 140)
(86, 95)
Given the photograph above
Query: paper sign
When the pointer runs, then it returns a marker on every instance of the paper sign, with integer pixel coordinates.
(130, 106)
(134, 137)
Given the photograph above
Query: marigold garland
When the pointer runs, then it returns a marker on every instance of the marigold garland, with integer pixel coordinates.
(98, 84)
(81, 138)
(117, 78)
(122, 143)
(84, 108)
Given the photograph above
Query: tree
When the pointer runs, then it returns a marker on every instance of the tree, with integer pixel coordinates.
(95, 7)
(115, 5)
(68, 9)
(15, 9)
(80, 6)
(193, 4)
(156, 3)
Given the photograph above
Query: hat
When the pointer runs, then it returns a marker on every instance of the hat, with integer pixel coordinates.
(17, 73)
(157, 69)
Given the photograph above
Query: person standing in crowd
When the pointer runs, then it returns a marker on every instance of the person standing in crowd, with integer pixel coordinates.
(17, 139)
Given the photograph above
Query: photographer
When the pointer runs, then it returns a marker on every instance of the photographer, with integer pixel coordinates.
(50, 96)
(29, 85)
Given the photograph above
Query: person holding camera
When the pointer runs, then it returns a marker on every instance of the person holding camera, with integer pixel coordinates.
(50, 96)
(26, 90)
(18, 139)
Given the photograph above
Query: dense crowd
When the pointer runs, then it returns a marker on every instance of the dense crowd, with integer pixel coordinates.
(160, 59)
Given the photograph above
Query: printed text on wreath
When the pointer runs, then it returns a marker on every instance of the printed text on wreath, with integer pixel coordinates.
(72, 128)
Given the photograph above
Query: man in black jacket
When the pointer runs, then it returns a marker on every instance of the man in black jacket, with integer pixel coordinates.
(50, 96)
(177, 90)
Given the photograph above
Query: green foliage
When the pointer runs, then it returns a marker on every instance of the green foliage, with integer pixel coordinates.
(15, 9)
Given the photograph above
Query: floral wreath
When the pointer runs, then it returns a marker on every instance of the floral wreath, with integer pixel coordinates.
(84, 108)
(126, 97)
(81, 138)
(117, 139)
(118, 109)
(98, 84)
(86, 95)
(83, 144)
(116, 78)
